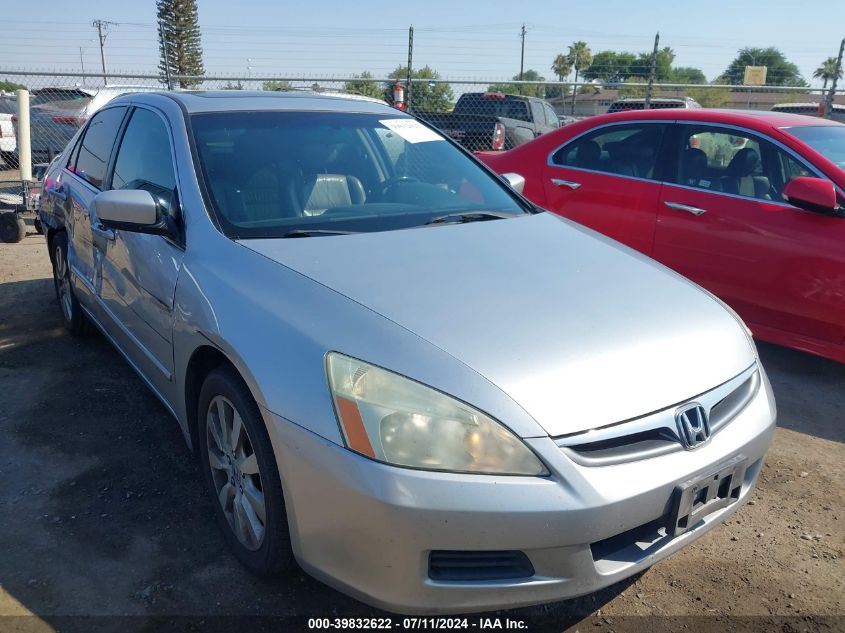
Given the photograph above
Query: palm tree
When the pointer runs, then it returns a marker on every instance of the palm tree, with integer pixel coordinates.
(828, 71)
(581, 58)
(562, 66)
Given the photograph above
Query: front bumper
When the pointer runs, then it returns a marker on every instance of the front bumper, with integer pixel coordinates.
(367, 529)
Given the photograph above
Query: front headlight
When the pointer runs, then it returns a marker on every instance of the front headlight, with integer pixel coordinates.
(395, 420)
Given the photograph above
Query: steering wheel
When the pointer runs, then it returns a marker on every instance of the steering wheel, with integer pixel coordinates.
(399, 181)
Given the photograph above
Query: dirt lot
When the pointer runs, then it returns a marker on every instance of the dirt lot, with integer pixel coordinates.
(102, 513)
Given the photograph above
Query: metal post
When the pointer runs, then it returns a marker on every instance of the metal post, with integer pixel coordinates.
(828, 101)
(163, 36)
(82, 63)
(410, 65)
(102, 38)
(24, 145)
(651, 73)
(522, 53)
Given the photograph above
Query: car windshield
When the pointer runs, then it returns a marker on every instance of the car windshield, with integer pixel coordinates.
(273, 174)
(827, 140)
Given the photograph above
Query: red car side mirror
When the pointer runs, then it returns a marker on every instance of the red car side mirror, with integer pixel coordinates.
(812, 194)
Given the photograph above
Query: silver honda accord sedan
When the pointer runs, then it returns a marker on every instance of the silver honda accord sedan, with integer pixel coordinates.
(395, 370)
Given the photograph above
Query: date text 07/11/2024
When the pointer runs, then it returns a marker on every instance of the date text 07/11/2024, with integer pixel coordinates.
(419, 624)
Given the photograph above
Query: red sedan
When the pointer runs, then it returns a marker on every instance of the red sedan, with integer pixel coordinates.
(749, 205)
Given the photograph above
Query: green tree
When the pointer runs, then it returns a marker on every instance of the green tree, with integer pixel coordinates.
(179, 37)
(230, 86)
(781, 71)
(610, 66)
(528, 90)
(10, 86)
(277, 86)
(364, 84)
(562, 66)
(641, 67)
(828, 71)
(687, 75)
(425, 96)
(582, 58)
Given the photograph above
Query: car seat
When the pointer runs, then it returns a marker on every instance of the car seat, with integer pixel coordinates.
(587, 155)
(740, 178)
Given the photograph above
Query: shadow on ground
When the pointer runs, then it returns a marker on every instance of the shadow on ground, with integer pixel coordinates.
(810, 391)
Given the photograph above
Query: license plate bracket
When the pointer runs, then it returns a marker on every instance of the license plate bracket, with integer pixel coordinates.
(701, 495)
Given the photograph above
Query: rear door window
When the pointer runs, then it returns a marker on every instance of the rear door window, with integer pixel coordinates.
(92, 157)
(624, 150)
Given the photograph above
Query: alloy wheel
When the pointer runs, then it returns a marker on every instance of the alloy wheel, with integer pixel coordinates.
(63, 283)
(234, 469)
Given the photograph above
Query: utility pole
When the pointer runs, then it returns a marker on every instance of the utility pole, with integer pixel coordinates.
(163, 36)
(828, 100)
(82, 63)
(651, 73)
(102, 31)
(410, 65)
(522, 54)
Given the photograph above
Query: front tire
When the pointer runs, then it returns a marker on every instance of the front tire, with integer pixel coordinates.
(73, 319)
(241, 475)
(12, 228)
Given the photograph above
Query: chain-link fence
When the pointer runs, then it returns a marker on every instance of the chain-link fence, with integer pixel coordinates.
(482, 115)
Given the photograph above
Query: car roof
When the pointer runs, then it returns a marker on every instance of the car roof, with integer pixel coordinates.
(654, 100)
(233, 100)
(760, 119)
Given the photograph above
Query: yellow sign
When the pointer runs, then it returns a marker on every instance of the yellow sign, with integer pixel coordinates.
(755, 76)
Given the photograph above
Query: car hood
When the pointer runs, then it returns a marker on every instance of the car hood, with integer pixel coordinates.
(579, 330)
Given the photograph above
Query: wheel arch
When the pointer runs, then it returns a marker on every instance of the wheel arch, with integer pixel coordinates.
(50, 234)
(204, 359)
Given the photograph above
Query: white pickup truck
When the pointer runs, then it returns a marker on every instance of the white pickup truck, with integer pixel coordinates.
(8, 140)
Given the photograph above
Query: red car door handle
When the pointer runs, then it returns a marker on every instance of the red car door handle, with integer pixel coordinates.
(685, 207)
(557, 182)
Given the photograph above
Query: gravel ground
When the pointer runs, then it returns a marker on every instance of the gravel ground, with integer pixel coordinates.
(102, 512)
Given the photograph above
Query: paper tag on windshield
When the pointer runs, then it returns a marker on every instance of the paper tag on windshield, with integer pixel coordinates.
(411, 130)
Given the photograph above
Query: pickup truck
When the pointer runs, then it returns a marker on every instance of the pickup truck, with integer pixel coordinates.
(484, 121)
(8, 140)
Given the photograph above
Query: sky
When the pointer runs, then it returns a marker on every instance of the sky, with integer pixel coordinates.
(463, 39)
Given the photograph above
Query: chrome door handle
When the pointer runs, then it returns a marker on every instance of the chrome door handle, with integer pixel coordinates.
(557, 182)
(59, 194)
(102, 231)
(686, 207)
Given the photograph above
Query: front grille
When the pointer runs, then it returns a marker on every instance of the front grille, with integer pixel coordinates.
(467, 566)
(657, 433)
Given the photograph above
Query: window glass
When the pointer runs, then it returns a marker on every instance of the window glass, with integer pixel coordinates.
(270, 173)
(493, 104)
(735, 162)
(626, 150)
(537, 112)
(144, 159)
(827, 140)
(94, 151)
(74, 155)
(551, 117)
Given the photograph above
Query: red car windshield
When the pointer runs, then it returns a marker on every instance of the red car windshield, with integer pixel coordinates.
(827, 140)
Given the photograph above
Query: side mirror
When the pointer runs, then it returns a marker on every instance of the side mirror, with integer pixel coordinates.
(129, 210)
(516, 181)
(812, 194)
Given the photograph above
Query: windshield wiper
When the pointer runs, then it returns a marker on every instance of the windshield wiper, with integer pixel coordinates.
(470, 216)
(314, 232)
